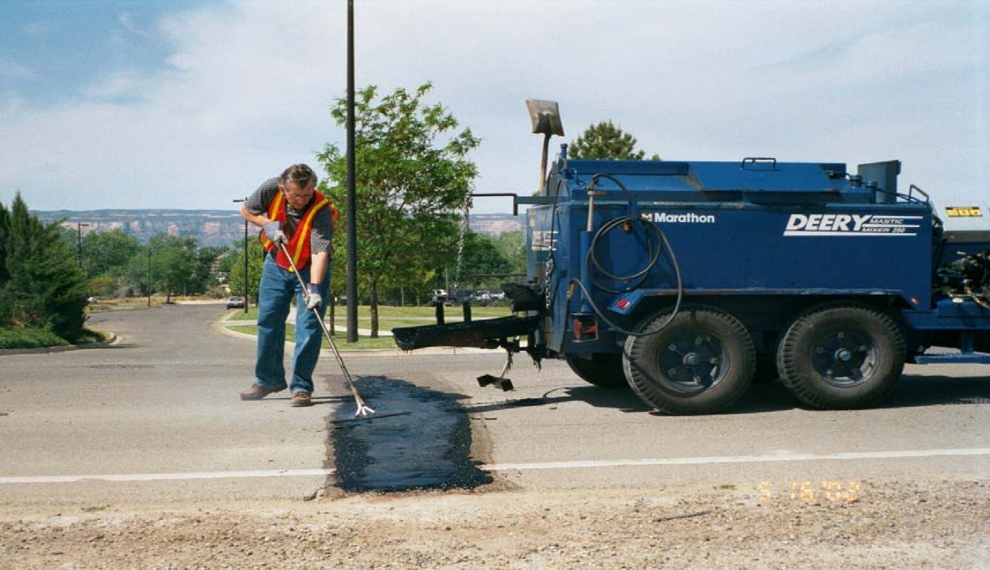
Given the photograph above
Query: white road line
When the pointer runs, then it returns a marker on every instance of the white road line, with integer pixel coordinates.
(736, 459)
(589, 464)
(168, 476)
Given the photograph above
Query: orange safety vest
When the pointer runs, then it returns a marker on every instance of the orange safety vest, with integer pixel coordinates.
(298, 244)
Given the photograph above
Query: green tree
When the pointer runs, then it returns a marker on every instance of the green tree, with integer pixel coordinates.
(225, 263)
(139, 276)
(40, 286)
(107, 254)
(512, 246)
(413, 176)
(235, 276)
(482, 256)
(173, 258)
(4, 244)
(606, 141)
(172, 261)
(203, 276)
(103, 286)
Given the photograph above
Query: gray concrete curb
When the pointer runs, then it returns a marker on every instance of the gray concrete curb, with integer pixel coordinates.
(223, 328)
(53, 349)
(290, 321)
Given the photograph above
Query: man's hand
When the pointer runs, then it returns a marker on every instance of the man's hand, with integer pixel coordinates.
(273, 231)
(313, 297)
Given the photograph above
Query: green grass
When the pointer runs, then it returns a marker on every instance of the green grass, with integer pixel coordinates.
(391, 317)
(90, 336)
(364, 343)
(20, 337)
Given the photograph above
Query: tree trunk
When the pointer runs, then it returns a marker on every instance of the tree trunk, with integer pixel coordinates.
(374, 310)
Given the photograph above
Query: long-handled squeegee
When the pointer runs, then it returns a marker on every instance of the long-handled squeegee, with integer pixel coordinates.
(362, 408)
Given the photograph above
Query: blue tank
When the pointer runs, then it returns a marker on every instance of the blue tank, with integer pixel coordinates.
(684, 280)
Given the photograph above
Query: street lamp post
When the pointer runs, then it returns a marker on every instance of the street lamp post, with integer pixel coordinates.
(79, 227)
(352, 292)
(246, 301)
(149, 275)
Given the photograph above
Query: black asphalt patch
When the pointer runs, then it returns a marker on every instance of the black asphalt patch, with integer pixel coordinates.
(427, 448)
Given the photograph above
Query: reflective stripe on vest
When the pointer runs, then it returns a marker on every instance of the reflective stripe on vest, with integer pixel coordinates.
(299, 244)
(273, 210)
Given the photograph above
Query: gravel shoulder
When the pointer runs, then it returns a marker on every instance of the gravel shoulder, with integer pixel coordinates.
(933, 524)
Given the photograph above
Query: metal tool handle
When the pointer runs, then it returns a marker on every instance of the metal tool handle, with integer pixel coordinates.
(362, 408)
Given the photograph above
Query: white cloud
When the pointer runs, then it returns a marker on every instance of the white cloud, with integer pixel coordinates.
(248, 84)
(125, 20)
(124, 83)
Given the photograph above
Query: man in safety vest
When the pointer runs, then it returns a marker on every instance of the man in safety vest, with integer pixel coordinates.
(290, 211)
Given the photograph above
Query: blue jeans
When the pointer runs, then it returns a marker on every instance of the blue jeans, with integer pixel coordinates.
(275, 293)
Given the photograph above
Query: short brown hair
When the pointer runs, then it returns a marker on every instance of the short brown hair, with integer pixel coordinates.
(301, 174)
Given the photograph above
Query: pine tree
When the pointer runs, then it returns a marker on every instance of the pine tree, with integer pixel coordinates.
(605, 141)
(43, 288)
(4, 233)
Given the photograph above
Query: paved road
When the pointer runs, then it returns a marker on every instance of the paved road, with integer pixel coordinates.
(161, 406)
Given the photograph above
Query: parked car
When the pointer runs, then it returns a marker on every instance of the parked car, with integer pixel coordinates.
(235, 303)
(439, 296)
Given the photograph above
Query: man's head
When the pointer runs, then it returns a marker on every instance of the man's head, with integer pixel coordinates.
(298, 183)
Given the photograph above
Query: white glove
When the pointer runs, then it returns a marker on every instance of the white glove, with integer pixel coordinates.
(273, 230)
(313, 297)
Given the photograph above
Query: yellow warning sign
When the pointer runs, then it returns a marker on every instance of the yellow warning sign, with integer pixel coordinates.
(959, 212)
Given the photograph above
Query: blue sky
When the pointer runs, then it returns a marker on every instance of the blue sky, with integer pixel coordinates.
(52, 50)
(183, 104)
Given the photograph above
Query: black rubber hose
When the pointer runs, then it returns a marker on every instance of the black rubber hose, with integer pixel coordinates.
(641, 275)
(654, 258)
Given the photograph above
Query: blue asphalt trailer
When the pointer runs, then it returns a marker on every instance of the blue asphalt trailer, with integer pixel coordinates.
(686, 275)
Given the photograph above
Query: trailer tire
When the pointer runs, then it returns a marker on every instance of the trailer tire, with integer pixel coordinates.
(668, 369)
(841, 357)
(603, 370)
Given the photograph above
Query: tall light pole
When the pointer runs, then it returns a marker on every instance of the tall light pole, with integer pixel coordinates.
(352, 292)
(149, 274)
(79, 227)
(246, 301)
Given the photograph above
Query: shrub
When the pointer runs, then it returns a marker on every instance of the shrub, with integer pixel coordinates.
(20, 337)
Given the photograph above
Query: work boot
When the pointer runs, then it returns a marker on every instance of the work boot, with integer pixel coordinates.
(256, 392)
(301, 400)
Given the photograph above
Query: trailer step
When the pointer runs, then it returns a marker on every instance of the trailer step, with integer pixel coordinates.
(502, 383)
(953, 358)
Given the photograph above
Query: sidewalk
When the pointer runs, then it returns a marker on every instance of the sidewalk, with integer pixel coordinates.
(292, 321)
(224, 327)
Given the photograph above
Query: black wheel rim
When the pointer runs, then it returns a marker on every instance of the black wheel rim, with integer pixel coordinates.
(844, 357)
(694, 361)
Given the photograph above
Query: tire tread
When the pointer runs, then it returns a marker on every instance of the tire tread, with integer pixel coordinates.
(787, 358)
(634, 352)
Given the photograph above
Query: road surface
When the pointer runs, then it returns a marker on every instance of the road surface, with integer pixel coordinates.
(155, 420)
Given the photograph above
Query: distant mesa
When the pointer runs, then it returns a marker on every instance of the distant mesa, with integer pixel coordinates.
(210, 227)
